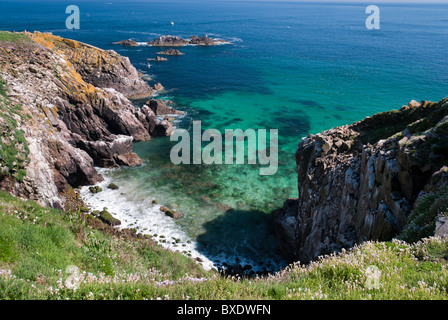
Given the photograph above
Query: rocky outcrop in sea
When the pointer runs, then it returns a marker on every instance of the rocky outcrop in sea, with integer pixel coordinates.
(175, 41)
(363, 181)
(171, 52)
(75, 114)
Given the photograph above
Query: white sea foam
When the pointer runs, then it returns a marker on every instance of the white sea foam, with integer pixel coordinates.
(135, 211)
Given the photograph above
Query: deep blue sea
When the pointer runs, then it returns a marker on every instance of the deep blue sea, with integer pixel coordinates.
(299, 67)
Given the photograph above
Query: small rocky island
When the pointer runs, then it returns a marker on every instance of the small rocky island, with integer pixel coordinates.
(171, 52)
(127, 43)
(175, 41)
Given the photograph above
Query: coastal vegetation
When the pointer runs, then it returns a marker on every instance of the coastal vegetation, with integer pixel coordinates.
(13, 146)
(37, 245)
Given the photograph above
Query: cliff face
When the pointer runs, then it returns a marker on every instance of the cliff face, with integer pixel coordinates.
(74, 113)
(361, 182)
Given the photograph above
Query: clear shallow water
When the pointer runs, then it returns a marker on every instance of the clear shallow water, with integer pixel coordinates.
(297, 67)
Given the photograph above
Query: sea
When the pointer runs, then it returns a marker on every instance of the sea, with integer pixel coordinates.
(297, 67)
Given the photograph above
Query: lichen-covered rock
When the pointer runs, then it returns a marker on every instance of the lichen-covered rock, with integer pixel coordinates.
(75, 113)
(107, 69)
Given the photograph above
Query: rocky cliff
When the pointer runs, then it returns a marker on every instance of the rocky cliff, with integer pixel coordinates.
(65, 109)
(364, 182)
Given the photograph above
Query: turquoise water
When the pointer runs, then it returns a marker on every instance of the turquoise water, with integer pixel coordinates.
(297, 67)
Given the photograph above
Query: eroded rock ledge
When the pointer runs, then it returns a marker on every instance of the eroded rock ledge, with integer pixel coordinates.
(75, 113)
(361, 182)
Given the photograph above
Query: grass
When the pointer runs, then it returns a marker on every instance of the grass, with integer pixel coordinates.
(3, 89)
(6, 36)
(38, 245)
(422, 221)
(383, 129)
(13, 146)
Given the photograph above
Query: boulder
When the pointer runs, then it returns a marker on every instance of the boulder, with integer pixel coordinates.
(107, 218)
(129, 159)
(173, 214)
(164, 209)
(163, 129)
(158, 87)
(414, 104)
(112, 186)
(441, 229)
(159, 107)
(95, 189)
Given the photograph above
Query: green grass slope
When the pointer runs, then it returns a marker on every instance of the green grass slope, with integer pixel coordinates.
(49, 254)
